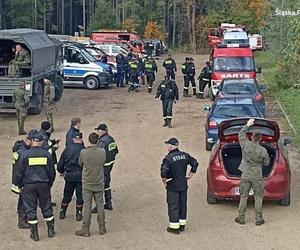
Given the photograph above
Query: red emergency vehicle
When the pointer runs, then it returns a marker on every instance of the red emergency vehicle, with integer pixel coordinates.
(231, 61)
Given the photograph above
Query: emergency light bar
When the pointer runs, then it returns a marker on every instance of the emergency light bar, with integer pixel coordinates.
(233, 45)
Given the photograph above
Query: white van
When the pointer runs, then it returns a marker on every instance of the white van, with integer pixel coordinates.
(111, 49)
(236, 37)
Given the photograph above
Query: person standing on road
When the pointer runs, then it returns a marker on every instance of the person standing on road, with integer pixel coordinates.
(21, 100)
(254, 158)
(48, 100)
(170, 65)
(68, 165)
(134, 70)
(35, 175)
(92, 161)
(168, 93)
(150, 69)
(120, 60)
(108, 143)
(75, 128)
(174, 177)
(204, 79)
(188, 71)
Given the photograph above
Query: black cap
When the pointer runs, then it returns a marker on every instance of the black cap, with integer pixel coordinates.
(77, 135)
(191, 59)
(173, 142)
(30, 134)
(45, 125)
(187, 58)
(37, 137)
(102, 127)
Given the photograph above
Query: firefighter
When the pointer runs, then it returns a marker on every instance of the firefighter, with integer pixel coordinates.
(188, 70)
(69, 166)
(192, 72)
(108, 143)
(120, 59)
(204, 79)
(35, 174)
(150, 69)
(168, 93)
(18, 148)
(134, 70)
(170, 66)
(174, 177)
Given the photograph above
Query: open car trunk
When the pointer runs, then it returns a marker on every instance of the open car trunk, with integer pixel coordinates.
(232, 156)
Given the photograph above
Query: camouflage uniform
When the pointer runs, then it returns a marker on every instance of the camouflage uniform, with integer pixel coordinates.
(48, 99)
(255, 157)
(22, 58)
(21, 100)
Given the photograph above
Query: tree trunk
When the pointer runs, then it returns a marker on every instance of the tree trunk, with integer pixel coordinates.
(189, 21)
(174, 23)
(63, 17)
(194, 26)
(71, 17)
(83, 17)
(0, 14)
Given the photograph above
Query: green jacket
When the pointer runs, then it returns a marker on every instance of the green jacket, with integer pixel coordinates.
(20, 98)
(49, 93)
(92, 161)
(23, 57)
(254, 157)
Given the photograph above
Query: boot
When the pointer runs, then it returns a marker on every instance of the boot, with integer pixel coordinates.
(259, 222)
(108, 204)
(53, 204)
(173, 231)
(165, 123)
(22, 132)
(23, 224)
(185, 93)
(63, 211)
(102, 230)
(182, 228)
(34, 234)
(79, 213)
(239, 221)
(94, 210)
(83, 233)
(169, 123)
(194, 92)
(50, 225)
(200, 96)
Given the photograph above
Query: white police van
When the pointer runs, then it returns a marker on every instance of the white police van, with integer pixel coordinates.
(81, 68)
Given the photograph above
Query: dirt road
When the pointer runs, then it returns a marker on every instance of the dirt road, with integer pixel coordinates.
(139, 219)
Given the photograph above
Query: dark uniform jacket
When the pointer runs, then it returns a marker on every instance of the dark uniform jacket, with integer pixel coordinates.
(150, 67)
(48, 144)
(18, 148)
(70, 135)
(108, 143)
(174, 166)
(134, 67)
(205, 74)
(191, 69)
(167, 90)
(169, 64)
(68, 163)
(35, 166)
(254, 157)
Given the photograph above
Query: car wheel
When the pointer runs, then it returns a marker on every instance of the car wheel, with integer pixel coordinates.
(91, 82)
(286, 201)
(211, 199)
(210, 94)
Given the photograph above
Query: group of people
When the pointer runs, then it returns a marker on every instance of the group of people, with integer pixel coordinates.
(86, 170)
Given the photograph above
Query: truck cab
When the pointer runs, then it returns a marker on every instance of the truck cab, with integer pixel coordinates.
(82, 69)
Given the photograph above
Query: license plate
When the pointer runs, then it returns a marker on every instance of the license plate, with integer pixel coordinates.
(237, 191)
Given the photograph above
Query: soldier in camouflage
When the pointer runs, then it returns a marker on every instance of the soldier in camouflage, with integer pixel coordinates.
(254, 158)
(21, 100)
(48, 99)
(22, 57)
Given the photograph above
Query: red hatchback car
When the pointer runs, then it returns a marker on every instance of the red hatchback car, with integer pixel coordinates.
(223, 175)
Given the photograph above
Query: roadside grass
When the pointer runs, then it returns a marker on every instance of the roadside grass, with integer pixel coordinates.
(288, 98)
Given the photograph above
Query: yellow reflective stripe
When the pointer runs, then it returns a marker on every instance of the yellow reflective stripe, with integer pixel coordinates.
(183, 66)
(15, 189)
(174, 225)
(112, 146)
(38, 161)
(169, 117)
(15, 156)
(163, 86)
(105, 189)
(109, 163)
(49, 219)
(168, 62)
(32, 222)
(148, 66)
(134, 66)
(182, 222)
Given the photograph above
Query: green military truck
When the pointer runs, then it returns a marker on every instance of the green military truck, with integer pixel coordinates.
(45, 61)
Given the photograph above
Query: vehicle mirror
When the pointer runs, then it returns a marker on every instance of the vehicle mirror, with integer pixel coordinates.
(287, 141)
(207, 108)
(258, 70)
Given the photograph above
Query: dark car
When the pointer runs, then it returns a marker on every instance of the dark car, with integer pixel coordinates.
(243, 87)
(223, 175)
(224, 109)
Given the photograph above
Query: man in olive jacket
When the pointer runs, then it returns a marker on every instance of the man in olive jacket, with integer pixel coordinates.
(254, 158)
(92, 161)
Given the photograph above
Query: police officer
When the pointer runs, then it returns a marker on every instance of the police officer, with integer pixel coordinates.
(204, 79)
(74, 128)
(69, 166)
(21, 100)
(120, 59)
(48, 100)
(108, 143)
(150, 69)
(35, 175)
(174, 177)
(18, 148)
(254, 158)
(168, 93)
(134, 70)
(170, 65)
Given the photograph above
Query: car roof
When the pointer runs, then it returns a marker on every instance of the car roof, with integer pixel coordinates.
(238, 80)
(233, 101)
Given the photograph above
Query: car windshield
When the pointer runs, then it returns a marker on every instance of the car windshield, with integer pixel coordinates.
(236, 41)
(233, 64)
(235, 110)
(88, 55)
(239, 88)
